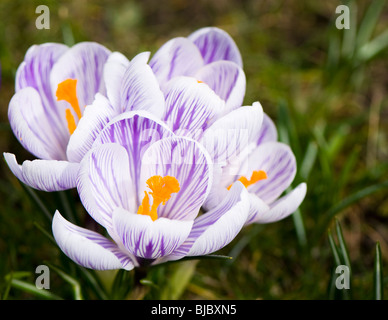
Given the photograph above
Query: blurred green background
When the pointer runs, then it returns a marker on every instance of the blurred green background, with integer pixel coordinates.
(326, 89)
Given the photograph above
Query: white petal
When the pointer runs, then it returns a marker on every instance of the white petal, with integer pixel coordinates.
(114, 71)
(177, 57)
(230, 136)
(140, 89)
(149, 239)
(218, 227)
(136, 131)
(32, 127)
(87, 248)
(45, 175)
(190, 106)
(227, 80)
(216, 44)
(104, 182)
(94, 119)
(284, 206)
(84, 62)
(279, 163)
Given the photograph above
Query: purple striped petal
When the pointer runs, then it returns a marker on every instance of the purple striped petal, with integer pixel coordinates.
(114, 71)
(177, 57)
(216, 44)
(190, 106)
(105, 183)
(218, 227)
(258, 209)
(284, 206)
(227, 80)
(268, 131)
(84, 62)
(278, 161)
(95, 117)
(136, 132)
(29, 123)
(35, 72)
(87, 248)
(45, 175)
(190, 164)
(230, 136)
(140, 89)
(149, 239)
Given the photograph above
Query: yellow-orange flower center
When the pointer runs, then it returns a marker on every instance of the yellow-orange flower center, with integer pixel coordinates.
(67, 91)
(255, 177)
(161, 190)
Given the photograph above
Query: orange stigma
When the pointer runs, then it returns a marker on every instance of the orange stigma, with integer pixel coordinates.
(161, 190)
(255, 177)
(67, 91)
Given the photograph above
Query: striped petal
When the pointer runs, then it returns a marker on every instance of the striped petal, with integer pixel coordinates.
(30, 125)
(94, 119)
(84, 62)
(227, 80)
(230, 136)
(87, 248)
(190, 106)
(279, 163)
(268, 131)
(218, 227)
(114, 71)
(140, 89)
(284, 206)
(190, 164)
(34, 72)
(149, 239)
(45, 175)
(105, 183)
(136, 132)
(216, 44)
(177, 57)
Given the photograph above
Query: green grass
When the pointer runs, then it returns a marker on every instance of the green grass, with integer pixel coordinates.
(326, 90)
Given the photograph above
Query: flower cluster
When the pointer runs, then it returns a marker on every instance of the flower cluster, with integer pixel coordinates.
(162, 151)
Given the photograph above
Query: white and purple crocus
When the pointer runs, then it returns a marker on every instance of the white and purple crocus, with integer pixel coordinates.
(149, 145)
(145, 186)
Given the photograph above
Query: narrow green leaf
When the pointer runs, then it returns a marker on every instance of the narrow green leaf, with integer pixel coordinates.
(369, 22)
(374, 47)
(74, 283)
(378, 275)
(299, 228)
(342, 245)
(32, 289)
(309, 160)
(334, 249)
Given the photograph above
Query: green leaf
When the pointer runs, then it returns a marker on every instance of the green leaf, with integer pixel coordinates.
(369, 22)
(178, 281)
(342, 245)
(74, 283)
(378, 275)
(32, 289)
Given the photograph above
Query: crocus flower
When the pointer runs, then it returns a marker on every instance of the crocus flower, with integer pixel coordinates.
(266, 169)
(209, 55)
(145, 186)
(60, 106)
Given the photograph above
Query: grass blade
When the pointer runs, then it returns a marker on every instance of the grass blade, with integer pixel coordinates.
(378, 275)
(32, 289)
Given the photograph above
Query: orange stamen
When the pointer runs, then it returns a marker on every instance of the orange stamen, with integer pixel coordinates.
(255, 177)
(67, 91)
(161, 190)
(70, 121)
